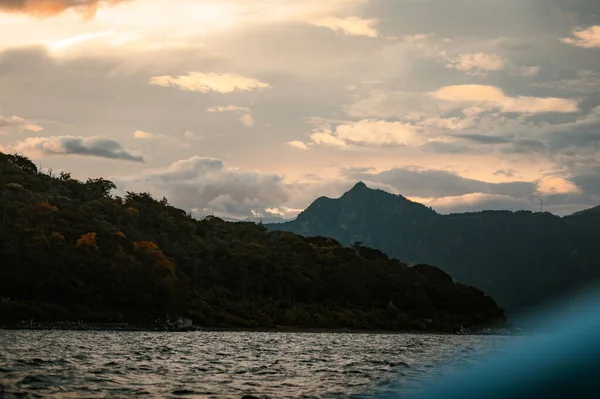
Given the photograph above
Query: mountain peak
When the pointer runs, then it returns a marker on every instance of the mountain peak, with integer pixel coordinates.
(359, 186)
(362, 188)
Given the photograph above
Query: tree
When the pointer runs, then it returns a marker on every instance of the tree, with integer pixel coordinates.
(153, 252)
(87, 240)
(99, 188)
(57, 237)
(23, 163)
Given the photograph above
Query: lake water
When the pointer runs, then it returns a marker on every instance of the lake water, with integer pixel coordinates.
(93, 364)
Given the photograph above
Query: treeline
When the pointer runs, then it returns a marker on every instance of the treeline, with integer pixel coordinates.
(72, 251)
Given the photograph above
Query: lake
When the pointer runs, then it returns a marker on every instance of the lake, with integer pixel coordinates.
(94, 364)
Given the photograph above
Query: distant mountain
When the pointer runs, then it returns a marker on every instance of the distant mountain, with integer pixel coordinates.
(595, 209)
(521, 259)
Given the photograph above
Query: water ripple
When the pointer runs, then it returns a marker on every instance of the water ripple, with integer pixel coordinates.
(95, 364)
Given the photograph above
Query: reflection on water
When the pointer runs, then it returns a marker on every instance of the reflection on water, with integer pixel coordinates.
(224, 364)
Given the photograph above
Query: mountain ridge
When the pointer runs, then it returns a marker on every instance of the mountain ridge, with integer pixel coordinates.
(595, 209)
(493, 250)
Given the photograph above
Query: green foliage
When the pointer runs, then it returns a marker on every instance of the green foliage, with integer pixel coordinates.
(71, 251)
(21, 162)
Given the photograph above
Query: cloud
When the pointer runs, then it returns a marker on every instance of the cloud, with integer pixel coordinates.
(58, 47)
(309, 69)
(505, 172)
(369, 132)
(564, 142)
(588, 179)
(479, 114)
(192, 136)
(553, 185)
(558, 139)
(448, 192)
(162, 138)
(394, 104)
(432, 183)
(478, 108)
(586, 38)
(494, 98)
(378, 132)
(44, 8)
(70, 145)
(417, 38)
(445, 147)
(297, 144)
(526, 146)
(529, 70)
(477, 63)
(209, 186)
(484, 202)
(246, 119)
(349, 26)
(484, 139)
(140, 134)
(326, 137)
(143, 25)
(583, 81)
(207, 82)
(477, 202)
(16, 122)
(228, 108)
(480, 64)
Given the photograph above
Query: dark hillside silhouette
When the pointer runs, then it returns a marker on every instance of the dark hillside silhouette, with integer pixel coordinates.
(522, 259)
(72, 251)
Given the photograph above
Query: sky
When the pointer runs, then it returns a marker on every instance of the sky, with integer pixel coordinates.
(254, 108)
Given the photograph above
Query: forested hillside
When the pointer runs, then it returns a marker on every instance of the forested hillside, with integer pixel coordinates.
(522, 259)
(72, 251)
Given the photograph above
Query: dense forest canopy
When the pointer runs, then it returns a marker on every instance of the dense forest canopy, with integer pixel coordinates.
(522, 259)
(72, 251)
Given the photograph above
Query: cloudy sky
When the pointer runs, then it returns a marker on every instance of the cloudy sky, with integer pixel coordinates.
(245, 108)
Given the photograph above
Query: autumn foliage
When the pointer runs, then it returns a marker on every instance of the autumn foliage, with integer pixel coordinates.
(146, 246)
(56, 236)
(87, 240)
(154, 252)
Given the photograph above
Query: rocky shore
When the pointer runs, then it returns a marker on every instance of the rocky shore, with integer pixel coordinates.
(183, 325)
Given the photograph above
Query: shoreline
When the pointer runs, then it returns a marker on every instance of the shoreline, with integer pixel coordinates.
(125, 327)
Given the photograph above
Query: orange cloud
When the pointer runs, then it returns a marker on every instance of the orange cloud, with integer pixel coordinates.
(495, 97)
(352, 26)
(207, 82)
(46, 8)
(586, 38)
(556, 185)
(297, 144)
(370, 132)
(477, 63)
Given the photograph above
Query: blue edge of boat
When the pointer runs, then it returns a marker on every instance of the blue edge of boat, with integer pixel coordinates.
(560, 361)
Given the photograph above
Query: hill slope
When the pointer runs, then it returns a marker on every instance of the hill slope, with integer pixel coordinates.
(71, 251)
(520, 258)
(593, 210)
